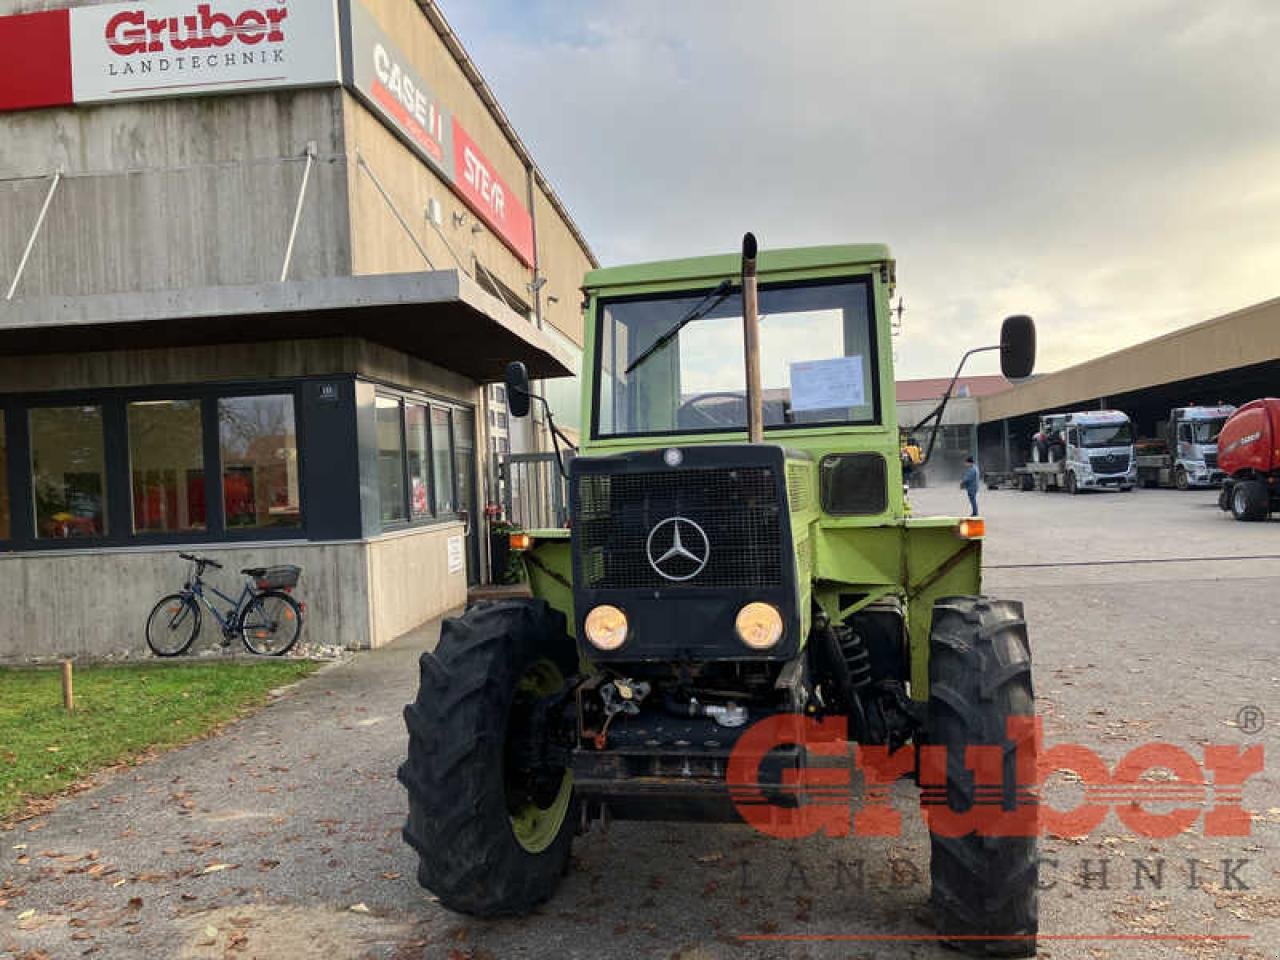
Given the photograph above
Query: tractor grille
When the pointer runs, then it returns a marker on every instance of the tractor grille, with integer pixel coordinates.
(1111, 463)
(739, 509)
(1211, 461)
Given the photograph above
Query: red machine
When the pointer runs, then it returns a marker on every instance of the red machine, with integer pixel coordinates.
(1249, 455)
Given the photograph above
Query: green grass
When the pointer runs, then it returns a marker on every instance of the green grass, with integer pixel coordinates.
(121, 713)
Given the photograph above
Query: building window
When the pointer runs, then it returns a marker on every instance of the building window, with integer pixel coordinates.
(390, 460)
(4, 484)
(956, 438)
(442, 460)
(68, 475)
(417, 438)
(166, 464)
(259, 443)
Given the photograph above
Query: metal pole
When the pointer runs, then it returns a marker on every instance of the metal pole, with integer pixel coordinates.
(31, 241)
(360, 161)
(297, 211)
(751, 340)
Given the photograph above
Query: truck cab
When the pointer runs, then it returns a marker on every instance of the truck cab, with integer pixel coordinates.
(1193, 442)
(1083, 450)
(1099, 451)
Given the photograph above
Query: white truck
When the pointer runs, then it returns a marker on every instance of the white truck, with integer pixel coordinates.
(1084, 450)
(1184, 454)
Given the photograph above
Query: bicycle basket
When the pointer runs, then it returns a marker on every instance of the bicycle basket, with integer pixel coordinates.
(284, 577)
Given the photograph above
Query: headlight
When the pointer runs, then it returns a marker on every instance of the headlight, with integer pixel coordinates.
(759, 625)
(606, 627)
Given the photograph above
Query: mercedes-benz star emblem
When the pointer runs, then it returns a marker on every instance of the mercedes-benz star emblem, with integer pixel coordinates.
(678, 549)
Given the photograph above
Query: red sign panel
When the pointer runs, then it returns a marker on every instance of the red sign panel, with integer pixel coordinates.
(35, 70)
(489, 195)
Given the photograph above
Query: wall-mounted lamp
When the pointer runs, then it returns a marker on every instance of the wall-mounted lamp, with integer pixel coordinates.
(459, 218)
(552, 298)
(477, 228)
(536, 284)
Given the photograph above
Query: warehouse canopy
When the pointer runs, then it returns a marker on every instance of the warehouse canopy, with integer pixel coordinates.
(1232, 356)
(440, 316)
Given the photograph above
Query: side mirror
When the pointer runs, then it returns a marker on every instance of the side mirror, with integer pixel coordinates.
(517, 379)
(1017, 347)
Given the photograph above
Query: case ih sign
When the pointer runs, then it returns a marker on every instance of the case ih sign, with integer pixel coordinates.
(164, 48)
(175, 48)
(383, 77)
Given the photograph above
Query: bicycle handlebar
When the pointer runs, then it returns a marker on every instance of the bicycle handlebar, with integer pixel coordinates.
(201, 561)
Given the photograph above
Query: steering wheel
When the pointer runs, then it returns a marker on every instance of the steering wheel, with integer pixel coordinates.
(693, 415)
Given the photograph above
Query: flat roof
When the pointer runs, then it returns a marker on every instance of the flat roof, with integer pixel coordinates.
(441, 316)
(932, 388)
(730, 264)
(1234, 340)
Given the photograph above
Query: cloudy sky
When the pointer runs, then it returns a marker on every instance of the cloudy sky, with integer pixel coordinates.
(1111, 168)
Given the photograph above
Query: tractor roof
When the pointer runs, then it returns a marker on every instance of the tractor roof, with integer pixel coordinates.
(730, 264)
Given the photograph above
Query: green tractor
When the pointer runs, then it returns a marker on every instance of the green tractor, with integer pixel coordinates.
(740, 549)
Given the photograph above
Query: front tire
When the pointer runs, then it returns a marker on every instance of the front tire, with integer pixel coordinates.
(491, 839)
(1181, 480)
(173, 625)
(1072, 487)
(1250, 501)
(271, 623)
(979, 677)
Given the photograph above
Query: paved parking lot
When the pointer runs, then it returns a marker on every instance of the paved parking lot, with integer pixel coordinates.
(261, 842)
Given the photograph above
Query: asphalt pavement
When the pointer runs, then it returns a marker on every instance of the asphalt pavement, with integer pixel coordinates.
(280, 838)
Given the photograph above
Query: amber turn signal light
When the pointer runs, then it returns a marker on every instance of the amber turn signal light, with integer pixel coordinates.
(973, 528)
(520, 541)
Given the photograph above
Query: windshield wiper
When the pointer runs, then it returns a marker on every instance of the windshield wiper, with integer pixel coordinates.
(704, 306)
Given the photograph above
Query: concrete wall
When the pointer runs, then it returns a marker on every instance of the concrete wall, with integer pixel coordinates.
(95, 603)
(564, 263)
(173, 193)
(410, 582)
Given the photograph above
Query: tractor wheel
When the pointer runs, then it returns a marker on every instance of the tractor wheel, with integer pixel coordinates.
(492, 836)
(979, 677)
(1250, 501)
(1180, 479)
(1072, 487)
(1224, 498)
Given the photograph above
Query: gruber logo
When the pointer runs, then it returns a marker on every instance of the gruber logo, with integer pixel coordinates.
(132, 31)
(812, 798)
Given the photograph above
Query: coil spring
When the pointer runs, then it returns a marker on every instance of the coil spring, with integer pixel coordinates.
(854, 650)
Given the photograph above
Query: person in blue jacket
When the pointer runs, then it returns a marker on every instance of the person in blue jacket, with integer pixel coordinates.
(970, 483)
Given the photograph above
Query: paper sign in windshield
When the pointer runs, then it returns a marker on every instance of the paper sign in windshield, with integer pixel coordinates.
(827, 384)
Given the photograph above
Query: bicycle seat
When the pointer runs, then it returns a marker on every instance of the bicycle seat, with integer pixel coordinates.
(254, 571)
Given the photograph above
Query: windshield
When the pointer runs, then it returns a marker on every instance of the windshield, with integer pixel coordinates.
(1111, 435)
(1206, 431)
(817, 361)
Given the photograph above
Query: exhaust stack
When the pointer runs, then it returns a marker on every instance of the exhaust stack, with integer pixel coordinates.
(751, 340)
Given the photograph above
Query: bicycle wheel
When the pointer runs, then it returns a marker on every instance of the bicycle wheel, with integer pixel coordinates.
(173, 624)
(271, 623)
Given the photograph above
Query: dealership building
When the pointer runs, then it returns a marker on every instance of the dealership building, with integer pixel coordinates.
(262, 263)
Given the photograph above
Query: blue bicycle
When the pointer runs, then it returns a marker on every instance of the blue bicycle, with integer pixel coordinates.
(267, 620)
